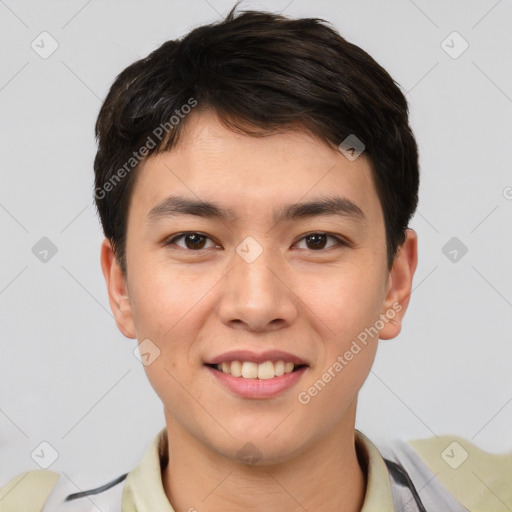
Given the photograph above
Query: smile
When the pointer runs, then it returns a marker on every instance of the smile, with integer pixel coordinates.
(252, 380)
(251, 370)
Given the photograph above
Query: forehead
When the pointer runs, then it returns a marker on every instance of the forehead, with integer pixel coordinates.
(245, 174)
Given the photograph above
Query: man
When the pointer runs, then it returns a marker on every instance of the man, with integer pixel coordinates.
(255, 181)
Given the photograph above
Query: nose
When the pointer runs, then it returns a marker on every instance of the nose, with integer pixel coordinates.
(256, 295)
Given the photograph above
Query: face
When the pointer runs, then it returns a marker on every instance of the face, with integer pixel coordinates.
(255, 280)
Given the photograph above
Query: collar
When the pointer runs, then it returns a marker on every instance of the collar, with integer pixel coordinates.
(144, 491)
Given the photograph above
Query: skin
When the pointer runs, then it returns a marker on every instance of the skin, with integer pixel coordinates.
(312, 302)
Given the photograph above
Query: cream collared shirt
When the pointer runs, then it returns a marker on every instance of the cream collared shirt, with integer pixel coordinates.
(443, 473)
(144, 490)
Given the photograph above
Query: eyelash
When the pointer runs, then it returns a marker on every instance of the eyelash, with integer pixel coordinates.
(340, 241)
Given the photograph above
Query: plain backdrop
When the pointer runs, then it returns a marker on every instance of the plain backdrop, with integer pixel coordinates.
(69, 378)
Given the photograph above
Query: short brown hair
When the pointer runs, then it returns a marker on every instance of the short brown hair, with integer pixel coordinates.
(260, 72)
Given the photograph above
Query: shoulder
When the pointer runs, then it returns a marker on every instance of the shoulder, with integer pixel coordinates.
(478, 479)
(27, 490)
(44, 490)
(448, 467)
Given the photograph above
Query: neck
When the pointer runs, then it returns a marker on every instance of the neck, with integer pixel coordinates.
(327, 476)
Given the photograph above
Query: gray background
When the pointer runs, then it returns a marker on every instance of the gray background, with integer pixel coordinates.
(68, 376)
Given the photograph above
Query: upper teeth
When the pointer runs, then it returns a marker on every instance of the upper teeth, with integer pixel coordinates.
(249, 370)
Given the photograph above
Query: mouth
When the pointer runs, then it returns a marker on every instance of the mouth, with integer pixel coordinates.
(256, 371)
(257, 375)
(250, 380)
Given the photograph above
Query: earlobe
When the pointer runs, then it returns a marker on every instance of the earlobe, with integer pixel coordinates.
(400, 286)
(118, 295)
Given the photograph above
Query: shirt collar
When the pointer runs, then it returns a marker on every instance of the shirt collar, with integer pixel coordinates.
(144, 491)
(378, 486)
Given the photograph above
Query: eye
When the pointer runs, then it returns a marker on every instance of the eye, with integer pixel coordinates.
(193, 241)
(317, 241)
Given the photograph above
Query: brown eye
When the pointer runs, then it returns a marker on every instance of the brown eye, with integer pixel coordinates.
(318, 241)
(193, 241)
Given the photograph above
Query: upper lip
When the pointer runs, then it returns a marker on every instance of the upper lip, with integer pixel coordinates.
(256, 357)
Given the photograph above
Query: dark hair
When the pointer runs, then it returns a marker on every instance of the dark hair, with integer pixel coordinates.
(261, 73)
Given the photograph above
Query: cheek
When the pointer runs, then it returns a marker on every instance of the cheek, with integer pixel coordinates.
(165, 310)
(163, 300)
(347, 303)
(348, 306)
(169, 308)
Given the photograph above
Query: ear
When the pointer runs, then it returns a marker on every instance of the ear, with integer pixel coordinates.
(117, 290)
(399, 286)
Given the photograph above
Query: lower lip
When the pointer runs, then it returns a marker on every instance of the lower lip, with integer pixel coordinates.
(258, 388)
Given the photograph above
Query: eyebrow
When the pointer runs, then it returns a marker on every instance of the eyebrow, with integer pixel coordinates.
(334, 205)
